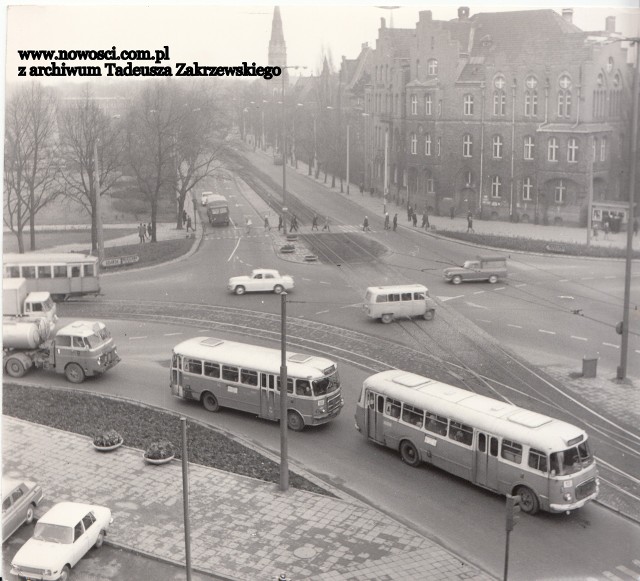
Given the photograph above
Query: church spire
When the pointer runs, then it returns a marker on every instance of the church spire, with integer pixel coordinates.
(277, 45)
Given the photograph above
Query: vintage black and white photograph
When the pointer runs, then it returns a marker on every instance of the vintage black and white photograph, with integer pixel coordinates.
(422, 219)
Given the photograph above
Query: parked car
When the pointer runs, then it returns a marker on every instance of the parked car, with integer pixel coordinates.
(60, 539)
(19, 499)
(491, 268)
(261, 279)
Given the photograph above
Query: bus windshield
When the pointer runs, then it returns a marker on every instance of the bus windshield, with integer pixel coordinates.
(572, 460)
(326, 384)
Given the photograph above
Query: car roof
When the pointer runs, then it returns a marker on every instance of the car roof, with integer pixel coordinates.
(264, 271)
(67, 513)
(397, 288)
(82, 328)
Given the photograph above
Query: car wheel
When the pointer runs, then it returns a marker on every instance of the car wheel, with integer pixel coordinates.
(99, 540)
(28, 519)
(387, 318)
(240, 290)
(428, 315)
(278, 289)
(409, 453)
(295, 421)
(15, 368)
(529, 502)
(456, 280)
(74, 373)
(64, 575)
(210, 402)
(493, 279)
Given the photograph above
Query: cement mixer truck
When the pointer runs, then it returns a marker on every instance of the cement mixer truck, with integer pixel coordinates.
(79, 350)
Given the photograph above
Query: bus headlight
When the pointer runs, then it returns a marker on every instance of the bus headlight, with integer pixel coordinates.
(567, 496)
(567, 484)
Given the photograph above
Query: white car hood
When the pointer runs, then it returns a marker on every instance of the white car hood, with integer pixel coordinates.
(42, 555)
(240, 278)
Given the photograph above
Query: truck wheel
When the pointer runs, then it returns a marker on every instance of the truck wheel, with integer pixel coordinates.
(15, 368)
(456, 280)
(74, 373)
(387, 318)
(428, 315)
(493, 279)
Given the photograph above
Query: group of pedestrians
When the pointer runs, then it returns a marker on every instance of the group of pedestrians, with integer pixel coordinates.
(144, 232)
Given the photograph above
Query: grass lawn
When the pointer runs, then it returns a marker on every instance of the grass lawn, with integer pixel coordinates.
(89, 414)
(150, 254)
(50, 239)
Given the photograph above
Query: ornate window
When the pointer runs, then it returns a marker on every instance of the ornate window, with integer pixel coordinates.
(527, 189)
(564, 96)
(531, 97)
(496, 185)
(468, 105)
(552, 149)
(497, 146)
(467, 145)
(529, 145)
(499, 96)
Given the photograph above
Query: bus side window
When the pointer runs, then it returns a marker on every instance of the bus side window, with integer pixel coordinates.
(63, 341)
(511, 451)
(289, 384)
(60, 271)
(418, 296)
(211, 369)
(44, 272)
(380, 408)
(394, 298)
(436, 424)
(412, 415)
(392, 408)
(266, 380)
(13, 272)
(371, 400)
(28, 272)
(230, 373)
(461, 433)
(249, 377)
(537, 460)
(303, 387)
(406, 296)
(482, 443)
(381, 299)
(192, 366)
(75, 271)
(78, 343)
(88, 269)
(493, 446)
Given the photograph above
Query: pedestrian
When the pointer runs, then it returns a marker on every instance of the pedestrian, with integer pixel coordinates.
(409, 213)
(606, 228)
(267, 226)
(635, 227)
(361, 189)
(470, 223)
(248, 225)
(184, 216)
(189, 227)
(314, 222)
(326, 225)
(452, 212)
(386, 221)
(372, 191)
(365, 225)
(425, 220)
(141, 233)
(149, 229)
(294, 223)
(279, 222)
(395, 221)
(414, 219)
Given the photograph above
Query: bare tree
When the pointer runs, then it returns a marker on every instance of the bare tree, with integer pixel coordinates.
(84, 131)
(31, 167)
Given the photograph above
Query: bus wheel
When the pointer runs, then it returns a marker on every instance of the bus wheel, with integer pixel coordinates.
(387, 318)
(295, 421)
(528, 500)
(428, 315)
(209, 402)
(409, 453)
(15, 368)
(239, 290)
(74, 373)
(493, 279)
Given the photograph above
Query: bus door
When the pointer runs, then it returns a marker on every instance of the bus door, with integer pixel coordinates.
(375, 416)
(486, 460)
(268, 396)
(176, 374)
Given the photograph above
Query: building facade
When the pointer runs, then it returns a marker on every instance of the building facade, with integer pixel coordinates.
(511, 115)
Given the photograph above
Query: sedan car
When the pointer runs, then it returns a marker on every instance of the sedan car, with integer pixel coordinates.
(491, 268)
(261, 279)
(60, 539)
(19, 498)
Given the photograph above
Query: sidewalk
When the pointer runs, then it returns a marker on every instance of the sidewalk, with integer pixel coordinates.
(241, 528)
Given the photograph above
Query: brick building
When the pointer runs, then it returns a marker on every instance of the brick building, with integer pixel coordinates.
(514, 115)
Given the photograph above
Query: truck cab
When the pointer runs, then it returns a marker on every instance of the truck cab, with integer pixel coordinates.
(18, 304)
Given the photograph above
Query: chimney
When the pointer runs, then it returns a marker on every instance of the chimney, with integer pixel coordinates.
(610, 25)
(425, 16)
(383, 23)
(463, 12)
(567, 14)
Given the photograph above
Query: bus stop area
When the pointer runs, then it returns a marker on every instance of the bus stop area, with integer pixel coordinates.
(241, 528)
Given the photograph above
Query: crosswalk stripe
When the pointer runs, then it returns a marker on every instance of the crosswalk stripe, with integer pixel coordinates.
(627, 571)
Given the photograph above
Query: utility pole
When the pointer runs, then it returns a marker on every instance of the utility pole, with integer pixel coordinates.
(284, 394)
(347, 159)
(185, 499)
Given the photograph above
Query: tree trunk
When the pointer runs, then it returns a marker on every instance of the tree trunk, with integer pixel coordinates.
(32, 220)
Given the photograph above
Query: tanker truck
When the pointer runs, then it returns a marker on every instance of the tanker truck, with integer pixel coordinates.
(18, 304)
(79, 350)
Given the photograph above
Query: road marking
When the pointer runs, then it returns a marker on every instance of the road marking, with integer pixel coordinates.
(564, 280)
(566, 297)
(171, 334)
(579, 338)
(445, 299)
(479, 292)
(234, 250)
(547, 332)
(321, 312)
(475, 305)
(607, 277)
(351, 306)
(521, 284)
(500, 288)
(307, 279)
(514, 326)
(322, 282)
(136, 338)
(627, 571)
(611, 345)
(484, 321)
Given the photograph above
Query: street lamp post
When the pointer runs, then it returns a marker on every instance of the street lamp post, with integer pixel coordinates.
(348, 126)
(98, 204)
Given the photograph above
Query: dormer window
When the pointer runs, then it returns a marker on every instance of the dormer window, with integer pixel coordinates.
(486, 41)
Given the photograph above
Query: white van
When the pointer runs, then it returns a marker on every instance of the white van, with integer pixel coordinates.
(405, 300)
(205, 196)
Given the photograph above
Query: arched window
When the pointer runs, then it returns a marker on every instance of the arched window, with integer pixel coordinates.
(499, 96)
(531, 97)
(564, 96)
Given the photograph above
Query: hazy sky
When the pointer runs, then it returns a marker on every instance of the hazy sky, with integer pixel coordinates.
(222, 35)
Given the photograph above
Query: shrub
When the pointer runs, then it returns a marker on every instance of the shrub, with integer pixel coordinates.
(160, 450)
(107, 439)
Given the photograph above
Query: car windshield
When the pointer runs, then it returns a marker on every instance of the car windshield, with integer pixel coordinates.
(572, 460)
(53, 533)
(471, 264)
(326, 384)
(94, 341)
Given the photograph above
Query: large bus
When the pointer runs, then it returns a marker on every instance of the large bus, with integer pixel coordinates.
(220, 373)
(217, 210)
(494, 444)
(62, 275)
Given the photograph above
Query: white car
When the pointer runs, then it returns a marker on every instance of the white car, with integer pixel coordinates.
(60, 539)
(261, 279)
(204, 197)
(19, 498)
